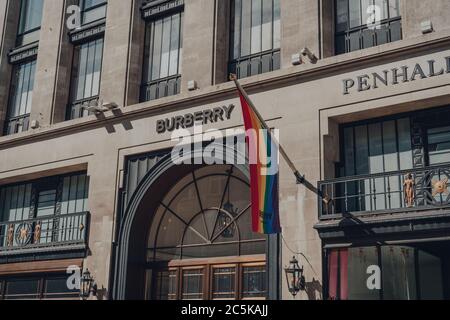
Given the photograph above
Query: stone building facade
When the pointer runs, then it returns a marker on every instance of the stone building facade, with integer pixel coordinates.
(86, 181)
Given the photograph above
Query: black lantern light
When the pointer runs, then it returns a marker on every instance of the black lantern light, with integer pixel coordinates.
(87, 285)
(295, 277)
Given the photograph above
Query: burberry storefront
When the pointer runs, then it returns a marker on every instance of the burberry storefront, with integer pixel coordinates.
(186, 233)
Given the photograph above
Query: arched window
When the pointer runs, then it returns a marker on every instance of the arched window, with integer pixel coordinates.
(201, 245)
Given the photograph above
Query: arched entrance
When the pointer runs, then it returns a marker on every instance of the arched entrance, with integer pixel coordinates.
(186, 234)
(200, 244)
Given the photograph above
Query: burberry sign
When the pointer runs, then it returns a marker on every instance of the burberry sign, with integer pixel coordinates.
(394, 76)
(190, 119)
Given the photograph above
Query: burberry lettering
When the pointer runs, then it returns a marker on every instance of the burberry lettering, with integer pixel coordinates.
(188, 120)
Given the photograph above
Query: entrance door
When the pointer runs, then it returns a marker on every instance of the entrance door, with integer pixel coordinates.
(200, 243)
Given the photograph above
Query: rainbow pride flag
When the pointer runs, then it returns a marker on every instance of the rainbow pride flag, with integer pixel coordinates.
(264, 188)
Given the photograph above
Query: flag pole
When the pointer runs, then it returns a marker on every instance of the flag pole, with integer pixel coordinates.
(300, 178)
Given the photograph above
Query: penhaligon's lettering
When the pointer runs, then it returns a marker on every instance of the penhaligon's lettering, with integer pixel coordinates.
(396, 76)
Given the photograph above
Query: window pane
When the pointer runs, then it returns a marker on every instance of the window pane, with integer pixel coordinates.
(355, 13)
(254, 282)
(431, 276)
(56, 288)
(404, 143)
(15, 202)
(94, 15)
(399, 281)
(383, 7)
(267, 25)
(349, 152)
(161, 291)
(341, 15)
(165, 50)
(236, 29)
(359, 260)
(390, 146)
(18, 289)
(439, 145)
(97, 67)
(157, 43)
(87, 70)
(46, 203)
(92, 3)
(30, 15)
(256, 26)
(192, 284)
(174, 45)
(163, 56)
(224, 283)
(361, 150)
(22, 89)
(394, 8)
(246, 27)
(366, 14)
(276, 24)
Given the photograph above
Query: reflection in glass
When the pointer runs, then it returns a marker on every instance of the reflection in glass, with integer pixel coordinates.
(192, 284)
(224, 283)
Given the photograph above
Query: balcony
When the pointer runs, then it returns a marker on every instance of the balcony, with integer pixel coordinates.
(79, 109)
(44, 234)
(255, 64)
(17, 124)
(386, 193)
(161, 88)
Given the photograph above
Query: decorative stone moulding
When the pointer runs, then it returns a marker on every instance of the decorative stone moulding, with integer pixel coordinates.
(88, 31)
(21, 54)
(153, 9)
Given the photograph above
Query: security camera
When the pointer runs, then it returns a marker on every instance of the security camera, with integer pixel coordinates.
(311, 56)
(101, 107)
(96, 109)
(110, 105)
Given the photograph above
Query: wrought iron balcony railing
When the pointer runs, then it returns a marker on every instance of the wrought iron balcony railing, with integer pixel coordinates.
(400, 191)
(161, 88)
(255, 64)
(62, 231)
(79, 109)
(17, 124)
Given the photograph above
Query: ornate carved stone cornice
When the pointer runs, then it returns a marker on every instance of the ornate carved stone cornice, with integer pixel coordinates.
(24, 53)
(155, 8)
(88, 31)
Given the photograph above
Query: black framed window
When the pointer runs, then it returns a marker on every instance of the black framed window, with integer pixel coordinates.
(163, 54)
(36, 287)
(29, 22)
(86, 77)
(255, 37)
(370, 148)
(356, 28)
(407, 272)
(20, 99)
(37, 203)
(378, 146)
(45, 197)
(92, 10)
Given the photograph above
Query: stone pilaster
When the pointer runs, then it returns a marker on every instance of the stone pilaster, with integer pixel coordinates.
(52, 78)
(9, 19)
(116, 51)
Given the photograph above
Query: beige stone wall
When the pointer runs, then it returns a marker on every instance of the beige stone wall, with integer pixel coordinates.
(306, 102)
(9, 19)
